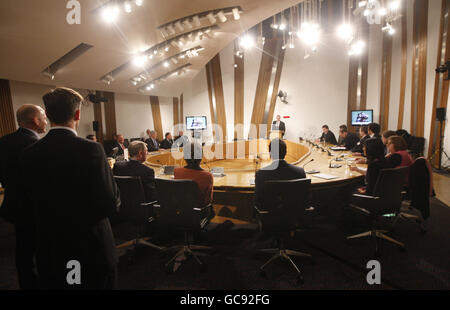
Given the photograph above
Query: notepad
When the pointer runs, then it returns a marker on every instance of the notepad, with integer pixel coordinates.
(338, 148)
(325, 176)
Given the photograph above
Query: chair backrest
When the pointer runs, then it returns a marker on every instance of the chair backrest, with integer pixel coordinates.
(132, 195)
(177, 200)
(416, 146)
(286, 201)
(420, 185)
(389, 187)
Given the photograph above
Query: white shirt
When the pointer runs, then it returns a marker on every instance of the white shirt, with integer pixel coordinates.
(66, 128)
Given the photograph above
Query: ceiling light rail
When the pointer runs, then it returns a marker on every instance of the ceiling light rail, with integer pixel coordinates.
(151, 84)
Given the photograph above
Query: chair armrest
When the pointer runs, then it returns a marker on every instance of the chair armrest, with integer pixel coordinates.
(362, 210)
(261, 211)
(146, 204)
(156, 206)
(203, 208)
(365, 196)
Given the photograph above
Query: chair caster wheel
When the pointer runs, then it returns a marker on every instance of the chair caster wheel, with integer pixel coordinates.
(300, 280)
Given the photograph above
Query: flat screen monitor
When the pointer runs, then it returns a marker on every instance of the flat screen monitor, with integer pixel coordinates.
(195, 122)
(362, 117)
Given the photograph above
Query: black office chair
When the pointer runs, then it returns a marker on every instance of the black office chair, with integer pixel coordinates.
(417, 196)
(179, 206)
(284, 205)
(135, 210)
(385, 202)
(416, 146)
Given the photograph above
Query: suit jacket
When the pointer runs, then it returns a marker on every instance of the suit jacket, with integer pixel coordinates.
(152, 145)
(328, 137)
(278, 170)
(166, 144)
(282, 126)
(351, 141)
(69, 187)
(116, 144)
(359, 146)
(11, 147)
(135, 168)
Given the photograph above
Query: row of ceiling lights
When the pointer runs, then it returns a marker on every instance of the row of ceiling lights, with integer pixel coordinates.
(111, 12)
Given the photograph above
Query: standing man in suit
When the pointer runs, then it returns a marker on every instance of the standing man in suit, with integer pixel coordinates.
(71, 202)
(152, 142)
(167, 142)
(32, 121)
(327, 136)
(279, 169)
(279, 125)
(135, 167)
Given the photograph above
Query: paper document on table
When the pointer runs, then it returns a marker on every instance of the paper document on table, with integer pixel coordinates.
(363, 169)
(351, 158)
(252, 181)
(325, 176)
(338, 148)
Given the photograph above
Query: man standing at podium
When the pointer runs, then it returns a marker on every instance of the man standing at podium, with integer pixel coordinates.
(279, 125)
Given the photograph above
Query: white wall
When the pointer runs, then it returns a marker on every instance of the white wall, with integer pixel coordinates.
(133, 115)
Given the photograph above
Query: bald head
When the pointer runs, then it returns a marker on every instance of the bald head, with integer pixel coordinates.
(32, 117)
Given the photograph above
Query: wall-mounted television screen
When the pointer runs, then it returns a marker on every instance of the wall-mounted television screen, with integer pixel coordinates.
(195, 122)
(362, 117)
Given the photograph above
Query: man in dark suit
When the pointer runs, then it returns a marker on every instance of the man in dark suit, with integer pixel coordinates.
(374, 130)
(350, 140)
(364, 134)
(152, 142)
(278, 170)
(279, 125)
(327, 136)
(340, 141)
(167, 142)
(72, 200)
(135, 167)
(121, 145)
(32, 121)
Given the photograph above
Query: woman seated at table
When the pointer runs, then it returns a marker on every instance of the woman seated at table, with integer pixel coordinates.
(397, 145)
(193, 171)
(374, 151)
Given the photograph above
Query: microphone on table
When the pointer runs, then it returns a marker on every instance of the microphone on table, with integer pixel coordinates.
(205, 163)
(312, 159)
(335, 165)
(310, 171)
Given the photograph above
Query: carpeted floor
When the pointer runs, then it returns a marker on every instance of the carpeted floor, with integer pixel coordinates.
(338, 263)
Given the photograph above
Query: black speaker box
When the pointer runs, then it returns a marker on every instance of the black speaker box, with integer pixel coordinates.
(440, 114)
(95, 126)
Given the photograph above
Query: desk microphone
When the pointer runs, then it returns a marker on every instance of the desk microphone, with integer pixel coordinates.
(312, 159)
(335, 165)
(311, 171)
(205, 163)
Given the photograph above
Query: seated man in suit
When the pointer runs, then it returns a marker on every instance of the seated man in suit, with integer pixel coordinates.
(167, 142)
(364, 134)
(327, 136)
(279, 125)
(278, 170)
(374, 130)
(135, 167)
(350, 140)
(340, 141)
(181, 139)
(152, 142)
(121, 144)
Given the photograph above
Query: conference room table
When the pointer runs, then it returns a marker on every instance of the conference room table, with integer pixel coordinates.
(239, 160)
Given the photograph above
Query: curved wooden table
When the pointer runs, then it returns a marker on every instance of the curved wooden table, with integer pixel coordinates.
(240, 161)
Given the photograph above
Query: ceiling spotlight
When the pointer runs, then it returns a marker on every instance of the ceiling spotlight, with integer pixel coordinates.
(395, 5)
(236, 13)
(191, 37)
(188, 23)
(196, 21)
(282, 25)
(247, 41)
(345, 32)
(309, 33)
(179, 26)
(139, 60)
(52, 77)
(164, 32)
(174, 43)
(139, 2)
(211, 18)
(189, 54)
(127, 6)
(166, 64)
(221, 16)
(274, 26)
(391, 31)
(166, 48)
(362, 3)
(152, 85)
(357, 48)
(150, 56)
(171, 30)
(148, 87)
(283, 47)
(194, 52)
(182, 56)
(291, 45)
(134, 83)
(366, 12)
(110, 14)
(174, 60)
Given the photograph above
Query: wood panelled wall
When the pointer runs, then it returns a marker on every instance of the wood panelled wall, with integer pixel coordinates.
(98, 118)
(419, 67)
(276, 86)
(176, 111)
(181, 110)
(216, 98)
(386, 68)
(238, 93)
(7, 119)
(441, 85)
(110, 115)
(156, 112)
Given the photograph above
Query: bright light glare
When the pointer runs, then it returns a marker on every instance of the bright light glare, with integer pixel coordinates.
(139, 2)
(357, 48)
(394, 5)
(139, 60)
(345, 32)
(127, 6)
(309, 33)
(247, 41)
(110, 14)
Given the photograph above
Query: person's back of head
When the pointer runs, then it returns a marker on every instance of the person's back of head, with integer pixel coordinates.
(62, 106)
(364, 130)
(193, 154)
(374, 149)
(374, 128)
(137, 150)
(277, 149)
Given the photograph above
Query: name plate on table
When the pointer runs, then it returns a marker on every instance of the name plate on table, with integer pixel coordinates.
(325, 176)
